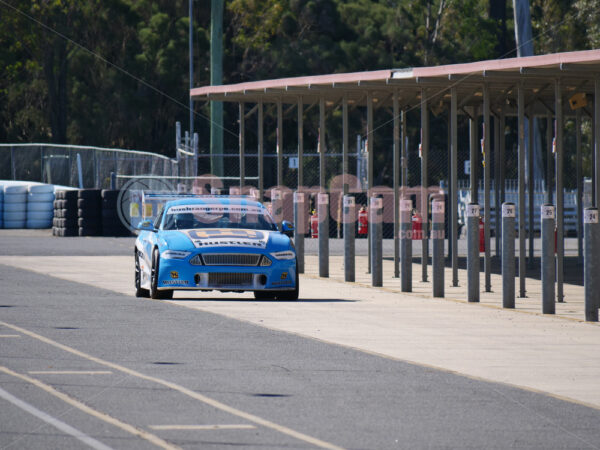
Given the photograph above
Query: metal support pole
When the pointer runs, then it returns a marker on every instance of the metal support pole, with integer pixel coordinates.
(406, 245)
(349, 219)
(277, 206)
(454, 181)
(300, 143)
(548, 269)
(549, 158)
(530, 183)
(591, 282)
(345, 144)
(376, 221)
(242, 115)
(560, 242)
(497, 201)
(473, 259)
(508, 255)
(487, 126)
(502, 148)
(579, 181)
(424, 183)
(521, 176)
(299, 228)
(404, 161)
(370, 151)
(438, 236)
(323, 215)
(396, 170)
(597, 140)
(322, 148)
(261, 152)
(473, 146)
(279, 144)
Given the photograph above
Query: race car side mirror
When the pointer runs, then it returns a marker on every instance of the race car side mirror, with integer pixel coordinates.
(146, 225)
(287, 228)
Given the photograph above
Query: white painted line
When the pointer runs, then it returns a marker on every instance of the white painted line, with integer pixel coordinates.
(69, 372)
(90, 441)
(183, 390)
(9, 336)
(92, 412)
(202, 427)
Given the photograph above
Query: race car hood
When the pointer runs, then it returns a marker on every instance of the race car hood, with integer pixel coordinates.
(225, 237)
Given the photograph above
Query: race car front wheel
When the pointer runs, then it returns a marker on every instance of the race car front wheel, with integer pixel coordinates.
(154, 292)
(139, 291)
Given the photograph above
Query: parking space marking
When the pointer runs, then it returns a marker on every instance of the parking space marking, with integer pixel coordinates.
(9, 335)
(202, 427)
(183, 390)
(69, 372)
(90, 441)
(92, 412)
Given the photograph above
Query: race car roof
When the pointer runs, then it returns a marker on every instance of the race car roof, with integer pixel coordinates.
(220, 200)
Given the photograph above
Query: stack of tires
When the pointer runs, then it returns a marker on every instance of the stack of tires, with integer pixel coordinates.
(65, 214)
(40, 200)
(1, 207)
(15, 206)
(89, 212)
(111, 224)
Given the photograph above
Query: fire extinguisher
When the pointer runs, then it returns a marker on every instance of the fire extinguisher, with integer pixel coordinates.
(417, 226)
(363, 221)
(481, 235)
(314, 225)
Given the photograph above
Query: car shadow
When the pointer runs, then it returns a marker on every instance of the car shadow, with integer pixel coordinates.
(245, 299)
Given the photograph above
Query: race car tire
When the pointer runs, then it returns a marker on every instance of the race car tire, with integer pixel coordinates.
(15, 207)
(92, 194)
(86, 203)
(41, 189)
(39, 206)
(265, 295)
(16, 189)
(10, 197)
(46, 197)
(290, 295)
(88, 223)
(14, 216)
(67, 213)
(139, 291)
(14, 224)
(88, 213)
(154, 292)
(40, 215)
(88, 231)
(38, 224)
(70, 195)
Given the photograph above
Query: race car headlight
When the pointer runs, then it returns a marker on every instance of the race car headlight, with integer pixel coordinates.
(174, 254)
(286, 254)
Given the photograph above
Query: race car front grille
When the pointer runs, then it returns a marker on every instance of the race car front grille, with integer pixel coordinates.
(231, 259)
(230, 279)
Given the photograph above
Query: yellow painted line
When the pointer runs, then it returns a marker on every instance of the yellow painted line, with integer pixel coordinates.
(69, 372)
(9, 336)
(183, 390)
(202, 427)
(92, 412)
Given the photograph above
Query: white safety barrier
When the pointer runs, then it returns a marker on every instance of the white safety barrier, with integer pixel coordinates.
(40, 208)
(15, 206)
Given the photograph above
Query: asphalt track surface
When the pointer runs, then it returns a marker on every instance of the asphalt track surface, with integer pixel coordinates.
(85, 367)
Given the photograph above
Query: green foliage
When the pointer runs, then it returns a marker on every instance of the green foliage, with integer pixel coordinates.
(90, 71)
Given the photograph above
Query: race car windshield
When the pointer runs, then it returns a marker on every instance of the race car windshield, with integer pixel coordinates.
(185, 217)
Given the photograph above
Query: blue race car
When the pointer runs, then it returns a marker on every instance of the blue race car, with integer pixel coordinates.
(215, 243)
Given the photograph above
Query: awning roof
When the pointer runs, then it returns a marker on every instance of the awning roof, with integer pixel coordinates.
(576, 71)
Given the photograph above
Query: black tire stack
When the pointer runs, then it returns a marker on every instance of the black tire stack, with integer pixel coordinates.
(111, 223)
(89, 212)
(65, 214)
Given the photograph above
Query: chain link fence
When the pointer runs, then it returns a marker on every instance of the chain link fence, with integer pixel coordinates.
(78, 166)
